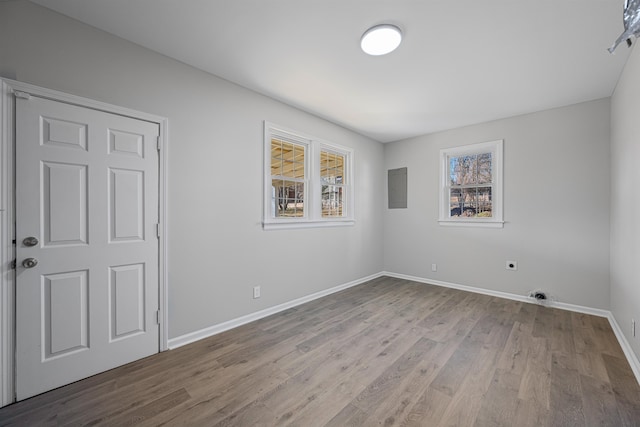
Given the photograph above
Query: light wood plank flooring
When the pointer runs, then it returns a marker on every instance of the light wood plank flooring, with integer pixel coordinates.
(388, 352)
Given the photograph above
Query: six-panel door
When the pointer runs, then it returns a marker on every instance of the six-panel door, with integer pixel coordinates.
(87, 190)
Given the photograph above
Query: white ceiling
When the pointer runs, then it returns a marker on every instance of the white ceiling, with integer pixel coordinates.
(461, 62)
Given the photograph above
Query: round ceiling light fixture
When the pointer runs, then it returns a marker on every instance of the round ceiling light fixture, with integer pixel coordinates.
(381, 39)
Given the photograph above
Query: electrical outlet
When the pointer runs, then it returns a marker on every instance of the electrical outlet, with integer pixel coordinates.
(434, 267)
(511, 265)
(256, 292)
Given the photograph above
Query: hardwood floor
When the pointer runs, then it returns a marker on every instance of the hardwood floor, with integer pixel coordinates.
(388, 352)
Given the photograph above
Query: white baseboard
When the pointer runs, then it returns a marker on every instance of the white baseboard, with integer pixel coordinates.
(626, 348)
(555, 304)
(234, 323)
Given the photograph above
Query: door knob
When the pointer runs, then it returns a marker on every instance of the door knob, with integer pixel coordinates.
(30, 241)
(29, 262)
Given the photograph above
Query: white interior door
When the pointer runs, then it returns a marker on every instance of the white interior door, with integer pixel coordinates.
(86, 210)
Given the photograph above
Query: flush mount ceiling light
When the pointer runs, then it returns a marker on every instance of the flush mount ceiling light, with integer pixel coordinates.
(381, 39)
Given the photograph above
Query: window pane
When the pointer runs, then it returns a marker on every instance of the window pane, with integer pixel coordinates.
(298, 162)
(276, 157)
(485, 202)
(471, 202)
(331, 168)
(332, 201)
(287, 159)
(455, 201)
(463, 170)
(469, 169)
(287, 198)
(484, 168)
(454, 171)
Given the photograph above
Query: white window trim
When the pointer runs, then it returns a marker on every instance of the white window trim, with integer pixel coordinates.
(496, 221)
(312, 198)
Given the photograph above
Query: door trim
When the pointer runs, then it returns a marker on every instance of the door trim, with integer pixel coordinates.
(7, 217)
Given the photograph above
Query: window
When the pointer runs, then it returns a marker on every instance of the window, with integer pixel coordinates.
(288, 160)
(332, 178)
(308, 182)
(471, 185)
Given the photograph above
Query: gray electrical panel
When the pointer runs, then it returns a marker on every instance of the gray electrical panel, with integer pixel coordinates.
(397, 188)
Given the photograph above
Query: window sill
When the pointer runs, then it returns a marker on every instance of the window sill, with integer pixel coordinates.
(471, 223)
(307, 224)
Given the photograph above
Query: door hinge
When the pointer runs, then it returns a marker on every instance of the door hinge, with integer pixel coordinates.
(158, 143)
(157, 230)
(20, 94)
(158, 317)
(14, 264)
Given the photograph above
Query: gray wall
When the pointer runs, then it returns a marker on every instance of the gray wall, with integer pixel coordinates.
(217, 249)
(556, 208)
(557, 183)
(625, 200)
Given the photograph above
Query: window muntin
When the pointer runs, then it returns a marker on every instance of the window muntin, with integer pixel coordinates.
(469, 195)
(471, 185)
(308, 182)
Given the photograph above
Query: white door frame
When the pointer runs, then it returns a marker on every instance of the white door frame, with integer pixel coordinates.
(7, 217)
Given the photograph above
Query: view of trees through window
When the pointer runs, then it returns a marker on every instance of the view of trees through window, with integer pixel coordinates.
(471, 179)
